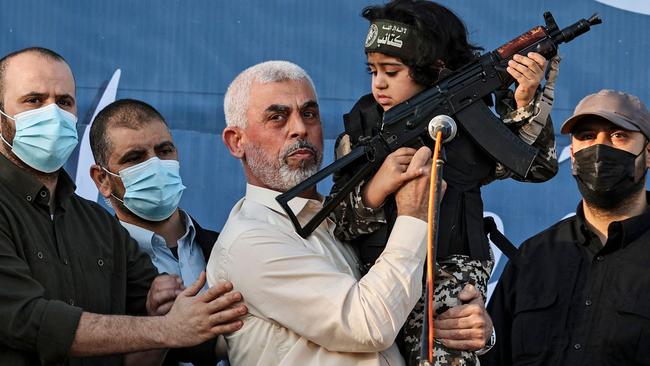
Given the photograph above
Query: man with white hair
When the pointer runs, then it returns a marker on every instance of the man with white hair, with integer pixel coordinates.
(308, 304)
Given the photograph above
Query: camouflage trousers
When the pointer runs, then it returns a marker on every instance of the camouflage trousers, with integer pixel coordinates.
(452, 274)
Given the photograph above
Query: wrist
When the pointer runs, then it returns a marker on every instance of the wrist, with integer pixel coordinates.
(489, 344)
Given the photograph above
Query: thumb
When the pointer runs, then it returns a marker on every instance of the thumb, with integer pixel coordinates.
(195, 287)
(420, 159)
(470, 294)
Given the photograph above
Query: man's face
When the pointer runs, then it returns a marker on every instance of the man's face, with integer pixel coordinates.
(596, 130)
(129, 147)
(391, 82)
(283, 140)
(33, 81)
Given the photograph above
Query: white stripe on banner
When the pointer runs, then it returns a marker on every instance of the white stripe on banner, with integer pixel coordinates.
(85, 186)
(636, 6)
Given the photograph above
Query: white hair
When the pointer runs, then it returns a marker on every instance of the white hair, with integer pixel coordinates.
(238, 94)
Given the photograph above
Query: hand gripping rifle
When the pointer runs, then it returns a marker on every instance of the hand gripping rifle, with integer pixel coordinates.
(461, 95)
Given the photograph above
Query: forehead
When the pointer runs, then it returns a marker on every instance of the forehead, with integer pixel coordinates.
(30, 72)
(381, 58)
(293, 93)
(594, 123)
(145, 136)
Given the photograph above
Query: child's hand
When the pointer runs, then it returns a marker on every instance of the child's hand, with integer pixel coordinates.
(528, 72)
(391, 175)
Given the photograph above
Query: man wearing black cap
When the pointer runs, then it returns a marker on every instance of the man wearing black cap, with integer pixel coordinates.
(577, 294)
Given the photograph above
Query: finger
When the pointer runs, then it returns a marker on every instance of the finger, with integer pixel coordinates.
(225, 301)
(420, 159)
(469, 293)
(216, 291)
(403, 151)
(227, 328)
(164, 308)
(539, 59)
(465, 334)
(228, 315)
(411, 174)
(460, 311)
(473, 345)
(161, 297)
(523, 70)
(195, 287)
(474, 321)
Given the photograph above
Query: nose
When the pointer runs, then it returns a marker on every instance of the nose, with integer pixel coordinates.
(297, 127)
(604, 138)
(379, 81)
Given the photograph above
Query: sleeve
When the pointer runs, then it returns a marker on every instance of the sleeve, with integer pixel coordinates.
(351, 216)
(302, 289)
(140, 273)
(30, 322)
(203, 354)
(500, 310)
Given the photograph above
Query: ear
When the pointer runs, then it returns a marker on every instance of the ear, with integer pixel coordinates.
(571, 150)
(647, 155)
(233, 138)
(100, 177)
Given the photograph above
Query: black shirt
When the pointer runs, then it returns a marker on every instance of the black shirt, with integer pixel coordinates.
(569, 300)
(53, 266)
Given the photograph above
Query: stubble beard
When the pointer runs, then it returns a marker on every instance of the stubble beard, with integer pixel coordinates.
(275, 173)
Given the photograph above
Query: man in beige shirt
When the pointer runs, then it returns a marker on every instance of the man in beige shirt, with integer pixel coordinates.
(308, 304)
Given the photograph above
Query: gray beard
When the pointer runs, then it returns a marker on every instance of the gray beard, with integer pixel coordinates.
(276, 173)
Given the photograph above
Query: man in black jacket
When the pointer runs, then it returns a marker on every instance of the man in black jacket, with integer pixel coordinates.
(577, 293)
(137, 172)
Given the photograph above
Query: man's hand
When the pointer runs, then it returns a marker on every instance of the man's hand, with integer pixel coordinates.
(528, 72)
(465, 327)
(392, 174)
(413, 197)
(197, 318)
(162, 293)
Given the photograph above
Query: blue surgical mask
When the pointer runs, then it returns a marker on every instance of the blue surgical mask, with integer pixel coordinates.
(45, 137)
(153, 188)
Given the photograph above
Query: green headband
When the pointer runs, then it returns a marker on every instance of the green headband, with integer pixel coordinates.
(392, 38)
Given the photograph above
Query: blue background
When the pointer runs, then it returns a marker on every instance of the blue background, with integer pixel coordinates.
(180, 56)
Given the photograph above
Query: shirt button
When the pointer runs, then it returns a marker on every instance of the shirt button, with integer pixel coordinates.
(43, 194)
(71, 302)
(600, 258)
(577, 346)
(40, 255)
(588, 303)
(65, 261)
(29, 198)
(100, 262)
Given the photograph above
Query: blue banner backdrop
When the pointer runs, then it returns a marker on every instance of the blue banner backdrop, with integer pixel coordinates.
(180, 56)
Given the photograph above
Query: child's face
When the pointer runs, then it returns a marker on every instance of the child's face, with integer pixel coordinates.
(391, 82)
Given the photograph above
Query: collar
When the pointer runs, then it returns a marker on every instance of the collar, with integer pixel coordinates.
(147, 239)
(27, 187)
(266, 197)
(619, 233)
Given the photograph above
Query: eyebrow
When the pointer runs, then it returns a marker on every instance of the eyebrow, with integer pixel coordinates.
(385, 64)
(309, 104)
(133, 153)
(277, 108)
(163, 145)
(43, 95)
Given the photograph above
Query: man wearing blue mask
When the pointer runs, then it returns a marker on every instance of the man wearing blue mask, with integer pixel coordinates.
(137, 171)
(74, 284)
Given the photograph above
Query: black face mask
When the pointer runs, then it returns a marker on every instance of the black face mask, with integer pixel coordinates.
(606, 175)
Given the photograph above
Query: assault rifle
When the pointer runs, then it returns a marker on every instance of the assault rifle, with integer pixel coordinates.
(461, 95)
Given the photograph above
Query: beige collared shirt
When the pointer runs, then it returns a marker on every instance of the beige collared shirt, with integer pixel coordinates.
(308, 304)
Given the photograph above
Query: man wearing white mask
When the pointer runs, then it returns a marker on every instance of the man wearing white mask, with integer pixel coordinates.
(138, 172)
(74, 284)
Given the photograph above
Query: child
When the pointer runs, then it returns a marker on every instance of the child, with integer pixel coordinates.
(432, 38)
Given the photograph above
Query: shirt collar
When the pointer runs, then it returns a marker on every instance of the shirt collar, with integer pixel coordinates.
(145, 238)
(26, 186)
(622, 232)
(266, 197)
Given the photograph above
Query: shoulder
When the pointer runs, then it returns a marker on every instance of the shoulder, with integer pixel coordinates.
(556, 238)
